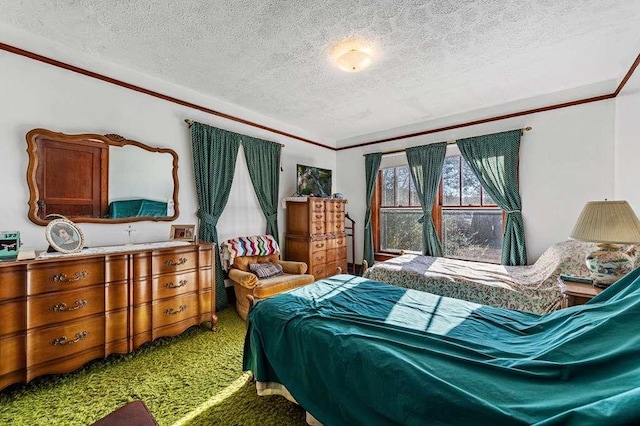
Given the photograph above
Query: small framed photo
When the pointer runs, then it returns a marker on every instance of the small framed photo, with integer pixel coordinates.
(64, 236)
(183, 233)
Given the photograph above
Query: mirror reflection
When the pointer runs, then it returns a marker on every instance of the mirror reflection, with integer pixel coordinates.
(95, 178)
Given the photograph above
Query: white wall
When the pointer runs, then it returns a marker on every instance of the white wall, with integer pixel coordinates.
(627, 148)
(566, 160)
(34, 94)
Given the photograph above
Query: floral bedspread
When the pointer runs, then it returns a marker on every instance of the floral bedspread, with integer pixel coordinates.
(532, 288)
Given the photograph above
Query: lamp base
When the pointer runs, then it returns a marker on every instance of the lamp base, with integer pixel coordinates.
(608, 264)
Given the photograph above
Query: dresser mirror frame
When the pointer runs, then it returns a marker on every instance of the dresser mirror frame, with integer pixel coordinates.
(107, 141)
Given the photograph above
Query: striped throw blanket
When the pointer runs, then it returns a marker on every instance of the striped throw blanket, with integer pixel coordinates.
(258, 245)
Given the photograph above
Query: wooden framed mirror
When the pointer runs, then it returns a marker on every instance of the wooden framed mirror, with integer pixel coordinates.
(103, 179)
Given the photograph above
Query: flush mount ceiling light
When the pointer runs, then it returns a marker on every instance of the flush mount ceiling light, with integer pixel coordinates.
(352, 56)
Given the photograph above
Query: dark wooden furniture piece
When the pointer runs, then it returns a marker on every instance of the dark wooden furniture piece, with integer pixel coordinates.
(578, 293)
(350, 230)
(132, 414)
(315, 234)
(69, 175)
(59, 313)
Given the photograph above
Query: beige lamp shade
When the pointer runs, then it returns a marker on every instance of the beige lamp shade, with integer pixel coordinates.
(607, 222)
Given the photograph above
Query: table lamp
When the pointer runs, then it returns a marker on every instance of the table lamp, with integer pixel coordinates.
(608, 223)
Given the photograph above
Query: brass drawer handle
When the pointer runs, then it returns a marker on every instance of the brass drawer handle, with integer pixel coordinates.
(318, 227)
(62, 278)
(319, 245)
(180, 261)
(182, 283)
(318, 216)
(62, 307)
(172, 311)
(319, 258)
(62, 341)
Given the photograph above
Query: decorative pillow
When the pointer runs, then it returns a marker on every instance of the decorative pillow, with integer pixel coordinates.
(265, 270)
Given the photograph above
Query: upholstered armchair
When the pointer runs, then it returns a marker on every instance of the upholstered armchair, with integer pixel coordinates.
(287, 274)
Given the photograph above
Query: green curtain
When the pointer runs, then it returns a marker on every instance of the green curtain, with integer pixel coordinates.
(214, 162)
(494, 159)
(425, 163)
(263, 162)
(371, 166)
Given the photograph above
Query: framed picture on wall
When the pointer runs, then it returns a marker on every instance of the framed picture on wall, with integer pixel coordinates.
(183, 233)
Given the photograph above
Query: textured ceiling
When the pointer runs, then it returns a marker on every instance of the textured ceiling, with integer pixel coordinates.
(432, 58)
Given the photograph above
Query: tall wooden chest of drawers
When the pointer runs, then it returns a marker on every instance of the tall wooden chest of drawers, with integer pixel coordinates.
(59, 313)
(315, 235)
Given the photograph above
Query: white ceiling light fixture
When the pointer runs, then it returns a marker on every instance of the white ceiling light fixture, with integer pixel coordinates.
(352, 56)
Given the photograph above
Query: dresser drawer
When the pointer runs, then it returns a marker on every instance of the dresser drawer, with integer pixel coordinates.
(64, 306)
(174, 310)
(318, 257)
(319, 271)
(332, 255)
(318, 245)
(65, 275)
(45, 344)
(317, 217)
(11, 354)
(317, 228)
(12, 282)
(342, 253)
(317, 206)
(174, 262)
(116, 296)
(170, 285)
(334, 243)
(12, 317)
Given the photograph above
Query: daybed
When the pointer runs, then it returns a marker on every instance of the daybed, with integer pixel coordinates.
(534, 288)
(354, 351)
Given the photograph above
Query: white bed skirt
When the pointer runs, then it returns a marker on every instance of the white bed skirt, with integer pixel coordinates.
(272, 388)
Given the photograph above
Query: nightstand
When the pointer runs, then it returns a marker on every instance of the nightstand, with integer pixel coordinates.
(578, 293)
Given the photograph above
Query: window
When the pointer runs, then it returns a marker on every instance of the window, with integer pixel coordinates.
(468, 221)
(399, 211)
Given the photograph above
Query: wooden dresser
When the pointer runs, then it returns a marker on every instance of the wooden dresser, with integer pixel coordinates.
(59, 313)
(315, 234)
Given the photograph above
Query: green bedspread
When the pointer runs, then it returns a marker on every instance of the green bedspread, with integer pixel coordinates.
(355, 351)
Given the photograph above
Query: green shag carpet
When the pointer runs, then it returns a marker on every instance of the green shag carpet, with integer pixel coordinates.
(192, 379)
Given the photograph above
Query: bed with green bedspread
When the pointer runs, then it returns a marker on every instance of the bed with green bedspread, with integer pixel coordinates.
(353, 351)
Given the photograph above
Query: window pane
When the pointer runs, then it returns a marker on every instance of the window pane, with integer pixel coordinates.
(400, 230)
(415, 200)
(403, 185)
(388, 184)
(487, 200)
(472, 234)
(451, 181)
(470, 186)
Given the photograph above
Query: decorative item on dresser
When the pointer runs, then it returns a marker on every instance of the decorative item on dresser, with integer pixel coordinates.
(316, 235)
(61, 311)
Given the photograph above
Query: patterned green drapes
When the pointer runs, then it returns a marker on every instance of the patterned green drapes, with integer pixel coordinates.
(263, 162)
(425, 163)
(214, 162)
(371, 166)
(494, 159)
